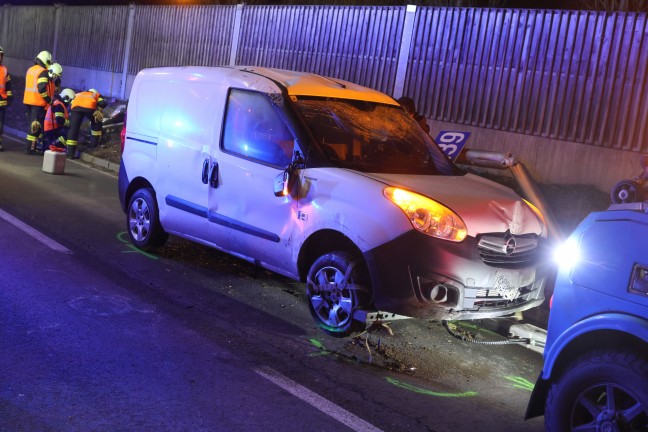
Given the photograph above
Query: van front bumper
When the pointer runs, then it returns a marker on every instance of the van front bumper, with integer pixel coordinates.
(424, 277)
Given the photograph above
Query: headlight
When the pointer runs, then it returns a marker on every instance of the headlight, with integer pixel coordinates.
(428, 216)
(567, 254)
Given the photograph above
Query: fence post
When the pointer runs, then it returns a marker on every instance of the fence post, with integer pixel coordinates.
(57, 26)
(5, 23)
(403, 55)
(236, 33)
(127, 47)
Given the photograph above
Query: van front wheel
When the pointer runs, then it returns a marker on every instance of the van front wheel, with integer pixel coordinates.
(144, 228)
(336, 287)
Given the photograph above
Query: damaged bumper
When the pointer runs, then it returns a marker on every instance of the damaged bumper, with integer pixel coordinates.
(423, 277)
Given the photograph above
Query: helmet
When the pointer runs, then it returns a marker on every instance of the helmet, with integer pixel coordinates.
(55, 71)
(93, 91)
(1, 50)
(67, 95)
(45, 57)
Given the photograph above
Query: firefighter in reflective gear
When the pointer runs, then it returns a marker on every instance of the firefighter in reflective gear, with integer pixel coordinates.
(39, 90)
(57, 120)
(6, 96)
(86, 104)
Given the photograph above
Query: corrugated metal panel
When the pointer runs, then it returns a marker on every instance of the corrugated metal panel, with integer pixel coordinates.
(30, 31)
(181, 35)
(353, 43)
(578, 76)
(92, 37)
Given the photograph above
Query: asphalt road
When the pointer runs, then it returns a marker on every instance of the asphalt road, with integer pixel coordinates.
(97, 336)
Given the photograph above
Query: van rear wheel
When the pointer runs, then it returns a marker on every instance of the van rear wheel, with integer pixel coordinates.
(144, 228)
(337, 285)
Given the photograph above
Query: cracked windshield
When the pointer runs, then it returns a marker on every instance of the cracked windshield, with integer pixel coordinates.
(372, 137)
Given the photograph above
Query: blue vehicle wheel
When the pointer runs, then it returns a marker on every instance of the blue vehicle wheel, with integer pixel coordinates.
(605, 390)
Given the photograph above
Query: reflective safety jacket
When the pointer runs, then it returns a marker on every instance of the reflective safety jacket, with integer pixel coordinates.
(5, 86)
(56, 116)
(87, 100)
(36, 86)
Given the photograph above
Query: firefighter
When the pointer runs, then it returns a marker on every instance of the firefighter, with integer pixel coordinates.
(86, 104)
(38, 94)
(57, 120)
(6, 97)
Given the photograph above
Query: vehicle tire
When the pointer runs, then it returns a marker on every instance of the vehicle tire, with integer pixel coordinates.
(605, 390)
(143, 221)
(337, 285)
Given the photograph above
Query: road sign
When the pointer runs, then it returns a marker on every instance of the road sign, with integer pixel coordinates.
(452, 142)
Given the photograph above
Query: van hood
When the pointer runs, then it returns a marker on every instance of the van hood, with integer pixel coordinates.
(484, 205)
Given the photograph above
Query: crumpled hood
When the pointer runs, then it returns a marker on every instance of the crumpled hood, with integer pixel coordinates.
(484, 206)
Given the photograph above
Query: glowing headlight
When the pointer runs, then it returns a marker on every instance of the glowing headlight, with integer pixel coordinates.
(428, 216)
(567, 254)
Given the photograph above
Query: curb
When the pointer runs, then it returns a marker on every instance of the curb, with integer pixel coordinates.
(102, 163)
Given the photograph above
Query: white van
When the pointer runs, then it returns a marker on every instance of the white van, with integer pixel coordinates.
(329, 183)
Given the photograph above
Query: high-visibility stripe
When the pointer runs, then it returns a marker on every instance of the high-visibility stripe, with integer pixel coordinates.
(95, 133)
(71, 142)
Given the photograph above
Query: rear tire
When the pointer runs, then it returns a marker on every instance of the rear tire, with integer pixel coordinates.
(143, 221)
(603, 390)
(337, 286)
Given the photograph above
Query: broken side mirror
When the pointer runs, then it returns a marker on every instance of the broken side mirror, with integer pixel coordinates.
(282, 184)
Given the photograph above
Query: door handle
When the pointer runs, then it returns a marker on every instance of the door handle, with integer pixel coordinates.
(213, 176)
(205, 170)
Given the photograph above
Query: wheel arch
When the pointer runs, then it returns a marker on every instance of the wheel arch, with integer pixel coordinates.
(134, 186)
(321, 242)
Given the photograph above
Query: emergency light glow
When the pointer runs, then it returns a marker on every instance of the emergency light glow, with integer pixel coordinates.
(428, 216)
(567, 254)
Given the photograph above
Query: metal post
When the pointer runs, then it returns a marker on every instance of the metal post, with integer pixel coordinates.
(403, 55)
(5, 23)
(57, 26)
(127, 47)
(236, 33)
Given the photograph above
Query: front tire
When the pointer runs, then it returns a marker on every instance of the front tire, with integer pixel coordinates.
(337, 286)
(600, 391)
(143, 220)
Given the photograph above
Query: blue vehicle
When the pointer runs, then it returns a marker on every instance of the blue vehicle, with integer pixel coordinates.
(595, 374)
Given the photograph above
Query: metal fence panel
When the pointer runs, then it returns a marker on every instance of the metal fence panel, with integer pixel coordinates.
(578, 76)
(30, 30)
(92, 37)
(181, 35)
(353, 43)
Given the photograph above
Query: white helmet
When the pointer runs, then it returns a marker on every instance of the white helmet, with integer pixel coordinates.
(55, 71)
(93, 91)
(45, 57)
(67, 95)
(1, 50)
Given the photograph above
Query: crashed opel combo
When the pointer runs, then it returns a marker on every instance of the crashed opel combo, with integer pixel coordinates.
(329, 183)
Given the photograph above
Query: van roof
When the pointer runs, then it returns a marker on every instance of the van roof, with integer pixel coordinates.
(310, 84)
(296, 83)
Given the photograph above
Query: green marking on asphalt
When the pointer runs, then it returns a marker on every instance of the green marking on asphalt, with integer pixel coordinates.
(472, 327)
(521, 383)
(415, 389)
(322, 349)
(132, 248)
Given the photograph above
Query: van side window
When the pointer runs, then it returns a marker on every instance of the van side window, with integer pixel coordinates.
(255, 130)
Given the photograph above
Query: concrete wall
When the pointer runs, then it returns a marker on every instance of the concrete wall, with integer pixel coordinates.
(553, 161)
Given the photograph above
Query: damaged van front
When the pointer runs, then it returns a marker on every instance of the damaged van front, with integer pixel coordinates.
(330, 183)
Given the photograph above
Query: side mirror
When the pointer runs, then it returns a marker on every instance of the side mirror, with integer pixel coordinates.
(282, 184)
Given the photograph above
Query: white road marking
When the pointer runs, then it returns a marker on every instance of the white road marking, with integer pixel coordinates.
(34, 233)
(317, 401)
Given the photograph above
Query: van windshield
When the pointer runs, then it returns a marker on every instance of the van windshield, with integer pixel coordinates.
(372, 137)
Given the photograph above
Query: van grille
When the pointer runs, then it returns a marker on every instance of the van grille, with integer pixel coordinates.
(508, 251)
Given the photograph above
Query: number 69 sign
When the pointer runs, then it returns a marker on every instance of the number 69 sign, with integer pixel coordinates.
(452, 142)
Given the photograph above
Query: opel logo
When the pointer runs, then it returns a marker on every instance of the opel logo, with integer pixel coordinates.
(509, 246)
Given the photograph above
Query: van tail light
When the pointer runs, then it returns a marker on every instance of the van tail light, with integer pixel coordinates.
(122, 135)
(551, 301)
